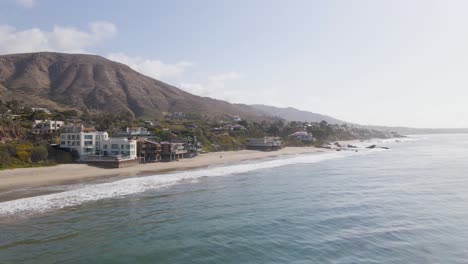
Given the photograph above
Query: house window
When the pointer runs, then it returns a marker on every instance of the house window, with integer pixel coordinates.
(62, 143)
(88, 143)
(127, 146)
(88, 137)
(115, 146)
(105, 146)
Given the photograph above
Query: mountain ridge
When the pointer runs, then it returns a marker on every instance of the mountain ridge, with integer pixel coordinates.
(60, 80)
(75, 81)
(294, 114)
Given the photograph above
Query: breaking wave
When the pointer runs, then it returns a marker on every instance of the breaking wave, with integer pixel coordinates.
(95, 192)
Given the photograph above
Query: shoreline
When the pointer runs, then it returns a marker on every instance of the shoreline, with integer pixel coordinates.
(66, 174)
(29, 182)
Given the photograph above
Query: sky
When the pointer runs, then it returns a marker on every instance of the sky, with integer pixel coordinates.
(374, 62)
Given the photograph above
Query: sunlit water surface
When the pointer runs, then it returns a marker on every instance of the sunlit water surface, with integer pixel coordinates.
(404, 205)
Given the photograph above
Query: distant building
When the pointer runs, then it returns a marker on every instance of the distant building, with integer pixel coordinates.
(149, 123)
(175, 115)
(265, 143)
(237, 127)
(218, 130)
(236, 118)
(43, 109)
(15, 117)
(46, 126)
(75, 128)
(133, 131)
(302, 136)
(191, 126)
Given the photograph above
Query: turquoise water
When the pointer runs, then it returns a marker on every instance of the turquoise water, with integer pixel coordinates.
(405, 205)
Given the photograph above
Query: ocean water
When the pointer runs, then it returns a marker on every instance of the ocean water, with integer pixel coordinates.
(408, 204)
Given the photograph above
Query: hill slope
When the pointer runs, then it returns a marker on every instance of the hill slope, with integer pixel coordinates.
(293, 114)
(58, 80)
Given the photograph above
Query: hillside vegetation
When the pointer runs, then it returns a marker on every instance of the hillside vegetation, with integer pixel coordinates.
(21, 148)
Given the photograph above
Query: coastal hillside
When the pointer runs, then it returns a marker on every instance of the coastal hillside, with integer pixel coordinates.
(293, 114)
(77, 81)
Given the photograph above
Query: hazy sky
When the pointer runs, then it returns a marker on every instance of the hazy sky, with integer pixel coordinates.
(371, 62)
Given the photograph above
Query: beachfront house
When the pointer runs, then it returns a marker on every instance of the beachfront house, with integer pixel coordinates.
(172, 151)
(265, 143)
(122, 147)
(148, 150)
(84, 141)
(88, 142)
(302, 136)
(46, 126)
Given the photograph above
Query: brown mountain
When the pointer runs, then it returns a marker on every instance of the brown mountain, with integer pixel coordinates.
(64, 81)
(293, 114)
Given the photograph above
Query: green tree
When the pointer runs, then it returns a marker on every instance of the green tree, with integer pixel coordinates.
(39, 154)
(5, 159)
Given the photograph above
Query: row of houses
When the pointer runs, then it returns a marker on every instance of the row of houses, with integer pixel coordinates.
(135, 145)
(97, 147)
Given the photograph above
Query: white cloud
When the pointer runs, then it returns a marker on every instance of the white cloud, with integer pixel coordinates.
(225, 77)
(215, 87)
(153, 68)
(26, 3)
(60, 39)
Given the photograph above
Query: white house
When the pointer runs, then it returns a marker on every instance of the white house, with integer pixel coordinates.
(133, 131)
(43, 109)
(84, 142)
(46, 126)
(118, 146)
(98, 143)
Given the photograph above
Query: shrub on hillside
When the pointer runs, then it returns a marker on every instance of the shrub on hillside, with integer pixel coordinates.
(39, 154)
(23, 152)
(5, 159)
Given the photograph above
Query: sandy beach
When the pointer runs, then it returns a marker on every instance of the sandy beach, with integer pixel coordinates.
(81, 173)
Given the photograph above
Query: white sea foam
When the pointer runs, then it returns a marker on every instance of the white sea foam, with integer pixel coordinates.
(95, 192)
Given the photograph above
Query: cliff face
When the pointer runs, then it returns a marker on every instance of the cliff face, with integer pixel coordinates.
(58, 80)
